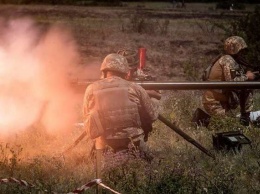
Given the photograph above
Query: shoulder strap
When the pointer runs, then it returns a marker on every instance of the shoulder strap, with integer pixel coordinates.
(207, 71)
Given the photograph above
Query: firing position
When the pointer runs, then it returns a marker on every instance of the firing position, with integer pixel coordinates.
(136, 62)
(230, 67)
(114, 109)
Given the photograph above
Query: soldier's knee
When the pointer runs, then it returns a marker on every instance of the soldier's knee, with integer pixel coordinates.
(215, 109)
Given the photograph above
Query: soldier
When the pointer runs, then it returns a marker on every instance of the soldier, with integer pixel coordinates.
(136, 73)
(229, 68)
(114, 108)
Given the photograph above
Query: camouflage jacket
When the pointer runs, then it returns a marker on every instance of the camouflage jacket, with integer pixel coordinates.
(147, 109)
(227, 69)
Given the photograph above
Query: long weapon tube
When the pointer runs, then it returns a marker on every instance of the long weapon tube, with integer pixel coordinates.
(198, 85)
(185, 136)
(75, 142)
(168, 85)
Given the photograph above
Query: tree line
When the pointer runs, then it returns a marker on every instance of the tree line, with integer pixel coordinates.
(112, 2)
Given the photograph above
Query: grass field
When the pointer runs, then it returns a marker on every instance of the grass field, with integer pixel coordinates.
(180, 43)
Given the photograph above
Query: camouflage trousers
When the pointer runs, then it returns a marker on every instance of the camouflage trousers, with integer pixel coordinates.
(220, 104)
(148, 126)
(134, 151)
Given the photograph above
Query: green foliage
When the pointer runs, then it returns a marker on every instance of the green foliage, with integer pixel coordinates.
(191, 71)
(178, 167)
(139, 24)
(53, 2)
(224, 124)
(9, 158)
(230, 5)
(65, 2)
(172, 182)
(248, 28)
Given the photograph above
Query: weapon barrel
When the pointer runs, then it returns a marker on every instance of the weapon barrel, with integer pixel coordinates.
(185, 136)
(166, 85)
(198, 85)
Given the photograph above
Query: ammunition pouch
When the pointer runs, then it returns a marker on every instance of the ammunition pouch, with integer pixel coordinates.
(232, 140)
(147, 128)
(124, 144)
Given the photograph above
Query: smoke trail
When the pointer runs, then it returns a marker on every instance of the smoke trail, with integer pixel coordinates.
(34, 66)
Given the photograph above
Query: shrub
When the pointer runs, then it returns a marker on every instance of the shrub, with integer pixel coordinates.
(139, 24)
(248, 28)
(230, 5)
(223, 5)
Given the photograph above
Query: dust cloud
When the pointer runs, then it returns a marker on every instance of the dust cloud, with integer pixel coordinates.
(35, 64)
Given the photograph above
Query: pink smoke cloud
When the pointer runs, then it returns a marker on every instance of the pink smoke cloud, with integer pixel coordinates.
(35, 64)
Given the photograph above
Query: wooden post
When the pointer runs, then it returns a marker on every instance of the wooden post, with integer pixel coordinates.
(99, 145)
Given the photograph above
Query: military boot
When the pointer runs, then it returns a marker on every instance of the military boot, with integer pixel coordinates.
(245, 119)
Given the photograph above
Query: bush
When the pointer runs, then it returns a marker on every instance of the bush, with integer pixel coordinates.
(248, 28)
(223, 5)
(239, 6)
(138, 24)
(230, 5)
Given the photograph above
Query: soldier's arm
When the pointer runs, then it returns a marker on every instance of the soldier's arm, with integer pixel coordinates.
(91, 120)
(230, 72)
(154, 94)
(148, 107)
(250, 75)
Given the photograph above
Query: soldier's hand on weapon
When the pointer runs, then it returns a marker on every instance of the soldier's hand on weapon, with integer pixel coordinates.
(250, 75)
(154, 94)
(257, 75)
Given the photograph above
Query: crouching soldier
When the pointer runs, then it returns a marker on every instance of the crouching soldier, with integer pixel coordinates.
(136, 72)
(230, 67)
(114, 108)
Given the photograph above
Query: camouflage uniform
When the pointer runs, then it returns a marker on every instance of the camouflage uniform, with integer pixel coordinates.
(136, 94)
(138, 74)
(120, 106)
(219, 102)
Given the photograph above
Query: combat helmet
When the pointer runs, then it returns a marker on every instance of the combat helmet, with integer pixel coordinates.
(131, 56)
(115, 62)
(234, 44)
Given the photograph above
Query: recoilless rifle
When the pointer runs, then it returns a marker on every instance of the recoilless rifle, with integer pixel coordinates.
(81, 85)
(149, 83)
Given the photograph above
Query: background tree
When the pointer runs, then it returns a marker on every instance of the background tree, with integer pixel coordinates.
(248, 28)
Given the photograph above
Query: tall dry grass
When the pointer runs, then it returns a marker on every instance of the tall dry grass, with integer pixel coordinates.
(178, 53)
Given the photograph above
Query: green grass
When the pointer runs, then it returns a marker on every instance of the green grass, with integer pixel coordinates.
(179, 167)
(189, 6)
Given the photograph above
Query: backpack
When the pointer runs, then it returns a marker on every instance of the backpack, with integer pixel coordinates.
(206, 72)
